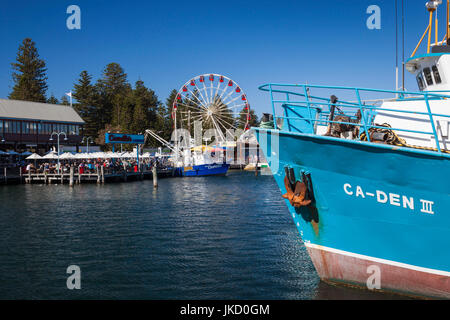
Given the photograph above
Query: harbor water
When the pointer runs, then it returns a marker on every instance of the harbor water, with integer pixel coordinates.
(192, 238)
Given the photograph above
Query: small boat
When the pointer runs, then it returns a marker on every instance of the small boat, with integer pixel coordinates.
(194, 161)
(201, 161)
(217, 169)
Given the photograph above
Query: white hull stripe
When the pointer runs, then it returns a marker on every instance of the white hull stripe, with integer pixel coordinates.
(388, 262)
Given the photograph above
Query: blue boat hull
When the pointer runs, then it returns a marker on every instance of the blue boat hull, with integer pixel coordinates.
(377, 208)
(204, 170)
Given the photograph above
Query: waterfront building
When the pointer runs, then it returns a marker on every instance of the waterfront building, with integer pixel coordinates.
(28, 126)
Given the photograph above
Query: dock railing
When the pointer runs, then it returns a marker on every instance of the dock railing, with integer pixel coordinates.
(300, 96)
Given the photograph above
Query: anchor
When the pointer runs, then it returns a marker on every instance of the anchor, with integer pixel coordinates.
(301, 196)
(298, 192)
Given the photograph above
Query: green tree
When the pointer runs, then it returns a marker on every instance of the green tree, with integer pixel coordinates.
(250, 119)
(29, 76)
(165, 121)
(64, 101)
(112, 87)
(148, 98)
(87, 104)
(84, 91)
(123, 106)
(140, 123)
(52, 100)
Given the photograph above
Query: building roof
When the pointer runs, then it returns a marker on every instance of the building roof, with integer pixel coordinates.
(26, 110)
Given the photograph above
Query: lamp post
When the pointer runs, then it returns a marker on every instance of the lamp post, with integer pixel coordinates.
(65, 139)
(87, 142)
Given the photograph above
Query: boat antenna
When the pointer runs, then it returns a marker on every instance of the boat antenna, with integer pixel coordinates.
(447, 23)
(403, 45)
(396, 45)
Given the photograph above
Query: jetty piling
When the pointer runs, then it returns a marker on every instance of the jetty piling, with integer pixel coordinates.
(99, 179)
(155, 177)
(71, 176)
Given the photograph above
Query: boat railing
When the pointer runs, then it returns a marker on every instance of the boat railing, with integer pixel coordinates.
(293, 97)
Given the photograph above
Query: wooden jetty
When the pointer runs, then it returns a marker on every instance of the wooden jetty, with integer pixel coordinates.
(10, 176)
(100, 175)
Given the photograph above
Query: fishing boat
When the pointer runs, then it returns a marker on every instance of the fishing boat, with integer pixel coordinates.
(365, 174)
(188, 160)
(201, 161)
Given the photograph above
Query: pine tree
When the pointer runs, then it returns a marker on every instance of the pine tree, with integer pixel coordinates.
(140, 123)
(83, 90)
(87, 104)
(64, 101)
(52, 100)
(30, 80)
(112, 87)
(149, 100)
(163, 124)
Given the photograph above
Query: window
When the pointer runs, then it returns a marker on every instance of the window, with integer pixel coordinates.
(28, 128)
(437, 76)
(14, 127)
(420, 82)
(45, 129)
(428, 77)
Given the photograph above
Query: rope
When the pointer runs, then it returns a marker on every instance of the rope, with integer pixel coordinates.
(391, 138)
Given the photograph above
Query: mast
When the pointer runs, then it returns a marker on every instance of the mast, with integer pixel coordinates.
(447, 22)
(403, 45)
(396, 45)
(436, 28)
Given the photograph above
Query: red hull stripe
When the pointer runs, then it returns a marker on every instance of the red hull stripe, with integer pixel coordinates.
(343, 266)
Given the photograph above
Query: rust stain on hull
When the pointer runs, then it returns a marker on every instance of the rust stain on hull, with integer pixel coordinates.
(350, 270)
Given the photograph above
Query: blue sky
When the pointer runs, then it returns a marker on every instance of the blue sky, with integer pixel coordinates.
(165, 43)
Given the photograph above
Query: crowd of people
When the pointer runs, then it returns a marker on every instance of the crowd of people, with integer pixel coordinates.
(92, 166)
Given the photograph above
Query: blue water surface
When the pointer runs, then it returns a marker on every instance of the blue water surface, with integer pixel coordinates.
(192, 238)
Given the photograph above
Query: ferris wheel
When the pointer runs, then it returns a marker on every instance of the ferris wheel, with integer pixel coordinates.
(215, 100)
